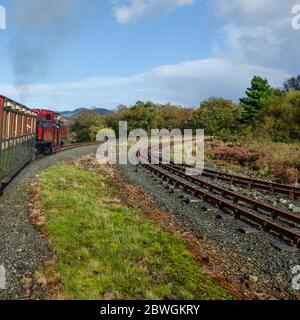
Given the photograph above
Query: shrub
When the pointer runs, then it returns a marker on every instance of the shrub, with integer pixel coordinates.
(286, 175)
(238, 154)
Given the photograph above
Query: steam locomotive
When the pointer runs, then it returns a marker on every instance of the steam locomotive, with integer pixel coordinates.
(25, 132)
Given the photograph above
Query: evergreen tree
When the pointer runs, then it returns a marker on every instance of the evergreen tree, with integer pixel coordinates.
(259, 92)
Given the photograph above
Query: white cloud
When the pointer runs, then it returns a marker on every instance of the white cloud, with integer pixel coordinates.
(259, 32)
(132, 10)
(255, 11)
(257, 39)
(192, 81)
(186, 83)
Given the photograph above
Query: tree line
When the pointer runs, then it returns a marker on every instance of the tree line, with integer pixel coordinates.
(265, 112)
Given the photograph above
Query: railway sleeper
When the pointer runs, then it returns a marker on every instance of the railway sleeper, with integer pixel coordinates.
(252, 183)
(241, 213)
(212, 188)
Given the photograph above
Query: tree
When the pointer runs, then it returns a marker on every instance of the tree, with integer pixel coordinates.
(149, 115)
(281, 118)
(292, 84)
(112, 120)
(176, 117)
(144, 116)
(216, 116)
(257, 95)
(87, 125)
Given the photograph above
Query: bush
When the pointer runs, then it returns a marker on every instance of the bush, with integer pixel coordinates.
(237, 154)
(272, 160)
(286, 175)
(281, 118)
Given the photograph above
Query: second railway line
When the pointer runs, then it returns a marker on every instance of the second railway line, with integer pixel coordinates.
(290, 191)
(269, 218)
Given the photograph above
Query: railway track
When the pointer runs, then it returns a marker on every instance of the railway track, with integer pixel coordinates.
(250, 183)
(268, 218)
(7, 179)
(290, 191)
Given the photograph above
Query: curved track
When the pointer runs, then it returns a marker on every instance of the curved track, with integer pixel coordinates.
(268, 218)
(250, 183)
(293, 192)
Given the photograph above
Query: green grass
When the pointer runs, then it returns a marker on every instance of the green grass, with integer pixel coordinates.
(103, 246)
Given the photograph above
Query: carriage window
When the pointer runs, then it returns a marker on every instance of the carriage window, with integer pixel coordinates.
(48, 117)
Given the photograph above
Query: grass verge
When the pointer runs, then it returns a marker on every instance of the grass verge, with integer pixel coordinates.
(107, 250)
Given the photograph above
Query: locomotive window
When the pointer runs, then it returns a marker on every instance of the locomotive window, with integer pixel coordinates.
(48, 117)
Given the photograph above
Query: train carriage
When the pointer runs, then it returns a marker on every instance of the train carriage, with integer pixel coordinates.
(17, 135)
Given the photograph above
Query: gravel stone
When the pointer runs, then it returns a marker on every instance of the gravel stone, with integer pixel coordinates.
(296, 210)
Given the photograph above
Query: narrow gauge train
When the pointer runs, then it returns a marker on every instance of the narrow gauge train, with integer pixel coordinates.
(24, 131)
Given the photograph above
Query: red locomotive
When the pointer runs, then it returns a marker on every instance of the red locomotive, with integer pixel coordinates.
(24, 131)
(51, 133)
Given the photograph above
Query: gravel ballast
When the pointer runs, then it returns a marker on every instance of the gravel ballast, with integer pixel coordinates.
(22, 250)
(255, 251)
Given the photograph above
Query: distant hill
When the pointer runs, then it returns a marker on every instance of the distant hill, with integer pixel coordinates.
(70, 115)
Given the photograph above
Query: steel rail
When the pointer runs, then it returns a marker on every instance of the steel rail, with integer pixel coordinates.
(293, 192)
(234, 208)
(236, 197)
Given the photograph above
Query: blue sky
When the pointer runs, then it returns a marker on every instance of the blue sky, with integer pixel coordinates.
(65, 54)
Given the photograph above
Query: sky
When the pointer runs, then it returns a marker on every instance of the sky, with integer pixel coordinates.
(65, 54)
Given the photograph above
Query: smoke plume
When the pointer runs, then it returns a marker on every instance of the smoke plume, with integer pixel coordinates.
(41, 27)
